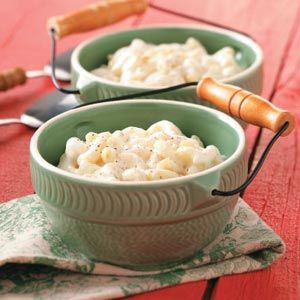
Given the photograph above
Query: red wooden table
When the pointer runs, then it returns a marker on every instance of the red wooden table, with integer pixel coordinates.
(274, 194)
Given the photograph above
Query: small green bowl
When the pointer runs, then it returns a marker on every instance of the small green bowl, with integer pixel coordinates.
(138, 224)
(93, 53)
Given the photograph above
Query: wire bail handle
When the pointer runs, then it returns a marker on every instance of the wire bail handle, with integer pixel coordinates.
(250, 108)
(231, 99)
(88, 18)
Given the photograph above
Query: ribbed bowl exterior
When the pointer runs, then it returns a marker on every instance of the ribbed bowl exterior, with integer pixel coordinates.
(133, 227)
(141, 246)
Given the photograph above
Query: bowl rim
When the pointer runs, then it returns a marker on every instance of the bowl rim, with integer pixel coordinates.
(238, 36)
(35, 154)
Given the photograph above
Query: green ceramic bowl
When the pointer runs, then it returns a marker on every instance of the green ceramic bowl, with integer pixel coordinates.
(145, 224)
(93, 53)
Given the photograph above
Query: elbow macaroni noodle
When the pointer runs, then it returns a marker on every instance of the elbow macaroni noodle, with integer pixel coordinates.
(162, 65)
(135, 154)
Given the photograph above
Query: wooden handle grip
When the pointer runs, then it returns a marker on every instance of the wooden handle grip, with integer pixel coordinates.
(95, 16)
(245, 105)
(11, 78)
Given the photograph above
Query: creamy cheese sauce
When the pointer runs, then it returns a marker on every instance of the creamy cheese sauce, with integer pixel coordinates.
(134, 154)
(144, 64)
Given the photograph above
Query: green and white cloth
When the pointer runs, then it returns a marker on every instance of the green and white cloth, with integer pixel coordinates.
(36, 264)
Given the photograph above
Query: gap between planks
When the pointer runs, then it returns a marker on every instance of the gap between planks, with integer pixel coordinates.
(283, 62)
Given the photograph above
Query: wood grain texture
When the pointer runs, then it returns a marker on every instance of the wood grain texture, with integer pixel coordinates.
(242, 104)
(94, 16)
(275, 195)
(187, 291)
(11, 78)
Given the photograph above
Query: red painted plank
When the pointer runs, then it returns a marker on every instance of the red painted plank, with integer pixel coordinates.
(275, 195)
(23, 41)
(187, 291)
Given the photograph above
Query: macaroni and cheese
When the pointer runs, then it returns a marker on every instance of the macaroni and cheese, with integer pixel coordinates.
(162, 65)
(134, 154)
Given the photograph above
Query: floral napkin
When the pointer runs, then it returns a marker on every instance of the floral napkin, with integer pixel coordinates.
(36, 264)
